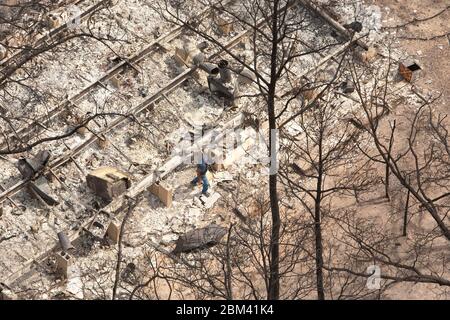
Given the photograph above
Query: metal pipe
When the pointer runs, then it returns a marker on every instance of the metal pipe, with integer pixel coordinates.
(210, 68)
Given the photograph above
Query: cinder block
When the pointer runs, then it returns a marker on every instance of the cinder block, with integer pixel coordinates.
(154, 188)
(63, 263)
(165, 195)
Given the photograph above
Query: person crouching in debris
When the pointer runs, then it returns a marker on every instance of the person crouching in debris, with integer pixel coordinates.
(201, 178)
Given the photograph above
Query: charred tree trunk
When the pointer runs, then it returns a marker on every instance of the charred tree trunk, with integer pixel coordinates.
(318, 228)
(274, 277)
(405, 216)
(391, 142)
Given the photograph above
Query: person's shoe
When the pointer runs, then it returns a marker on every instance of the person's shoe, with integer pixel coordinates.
(206, 194)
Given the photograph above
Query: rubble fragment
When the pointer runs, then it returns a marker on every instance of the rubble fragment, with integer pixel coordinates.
(199, 239)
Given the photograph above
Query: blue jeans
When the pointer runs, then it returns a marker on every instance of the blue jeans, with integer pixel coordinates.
(204, 182)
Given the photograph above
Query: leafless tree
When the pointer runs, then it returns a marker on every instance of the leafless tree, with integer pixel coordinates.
(273, 29)
(237, 267)
(413, 148)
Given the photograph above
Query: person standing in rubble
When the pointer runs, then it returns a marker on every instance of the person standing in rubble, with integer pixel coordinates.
(201, 178)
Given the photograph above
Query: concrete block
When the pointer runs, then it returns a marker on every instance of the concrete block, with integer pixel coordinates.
(98, 229)
(154, 189)
(63, 263)
(165, 195)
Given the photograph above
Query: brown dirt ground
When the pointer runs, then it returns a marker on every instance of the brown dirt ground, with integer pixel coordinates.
(434, 58)
(433, 55)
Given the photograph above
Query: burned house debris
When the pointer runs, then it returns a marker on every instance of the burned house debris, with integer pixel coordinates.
(32, 171)
(101, 124)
